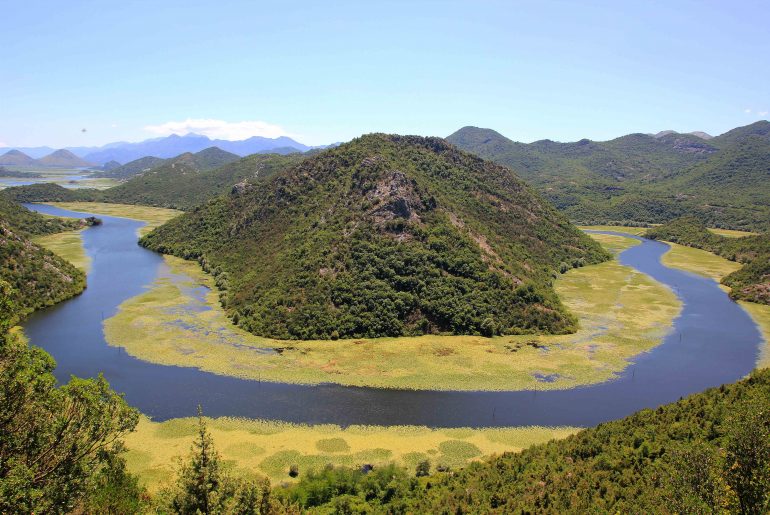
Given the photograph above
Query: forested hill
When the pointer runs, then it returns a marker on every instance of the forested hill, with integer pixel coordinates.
(723, 181)
(135, 167)
(28, 222)
(179, 183)
(752, 282)
(385, 235)
(37, 277)
(708, 453)
(191, 179)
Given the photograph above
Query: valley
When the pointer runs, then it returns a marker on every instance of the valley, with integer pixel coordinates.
(187, 328)
(181, 312)
(632, 323)
(384, 258)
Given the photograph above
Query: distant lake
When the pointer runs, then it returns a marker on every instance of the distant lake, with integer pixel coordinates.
(73, 179)
(713, 341)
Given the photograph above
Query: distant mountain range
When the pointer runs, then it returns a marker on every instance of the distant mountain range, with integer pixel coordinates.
(170, 146)
(56, 159)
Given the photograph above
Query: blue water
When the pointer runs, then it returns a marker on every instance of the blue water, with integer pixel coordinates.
(712, 342)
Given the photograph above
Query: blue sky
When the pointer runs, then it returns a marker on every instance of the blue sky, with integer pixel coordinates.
(329, 71)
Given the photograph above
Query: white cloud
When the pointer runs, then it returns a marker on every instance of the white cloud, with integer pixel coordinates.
(762, 113)
(114, 125)
(747, 111)
(218, 129)
(4, 144)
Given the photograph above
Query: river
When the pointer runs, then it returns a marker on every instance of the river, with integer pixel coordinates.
(713, 341)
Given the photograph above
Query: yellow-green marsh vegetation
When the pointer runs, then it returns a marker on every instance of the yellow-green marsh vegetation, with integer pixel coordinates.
(729, 233)
(153, 216)
(698, 261)
(68, 245)
(637, 231)
(622, 313)
(269, 448)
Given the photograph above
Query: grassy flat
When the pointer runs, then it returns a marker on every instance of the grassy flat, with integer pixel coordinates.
(68, 245)
(761, 315)
(698, 262)
(637, 231)
(269, 448)
(154, 216)
(729, 233)
(622, 313)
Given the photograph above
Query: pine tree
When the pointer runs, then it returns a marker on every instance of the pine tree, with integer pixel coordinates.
(200, 478)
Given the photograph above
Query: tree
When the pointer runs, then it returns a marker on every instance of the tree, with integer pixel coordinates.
(747, 461)
(54, 441)
(199, 479)
(422, 469)
(202, 486)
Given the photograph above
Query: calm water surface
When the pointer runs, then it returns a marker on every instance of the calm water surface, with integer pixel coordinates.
(712, 342)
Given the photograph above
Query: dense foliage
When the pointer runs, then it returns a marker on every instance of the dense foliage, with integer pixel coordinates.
(641, 178)
(48, 192)
(28, 222)
(752, 282)
(203, 486)
(130, 169)
(59, 446)
(386, 235)
(707, 453)
(190, 179)
(4, 172)
(179, 183)
(38, 277)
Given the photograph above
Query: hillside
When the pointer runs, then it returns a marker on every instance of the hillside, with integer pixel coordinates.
(752, 282)
(16, 158)
(37, 277)
(28, 222)
(386, 235)
(191, 179)
(707, 453)
(132, 168)
(48, 192)
(110, 165)
(4, 172)
(63, 159)
(178, 183)
(643, 178)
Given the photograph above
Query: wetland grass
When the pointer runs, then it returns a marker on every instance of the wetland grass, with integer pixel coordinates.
(153, 216)
(270, 448)
(622, 313)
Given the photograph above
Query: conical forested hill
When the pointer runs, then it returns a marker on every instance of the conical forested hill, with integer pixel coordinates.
(384, 236)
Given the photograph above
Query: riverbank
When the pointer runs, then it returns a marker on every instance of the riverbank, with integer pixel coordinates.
(152, 216)
(715, 267)
(67, 245)
(622, 313)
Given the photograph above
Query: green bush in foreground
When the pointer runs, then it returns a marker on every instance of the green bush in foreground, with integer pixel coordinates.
(707, 453)
(59, 446)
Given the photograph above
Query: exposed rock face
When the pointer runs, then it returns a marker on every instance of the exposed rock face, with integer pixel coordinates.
(386, 235)
(240, 188)
(692, 147)
(396, 196)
